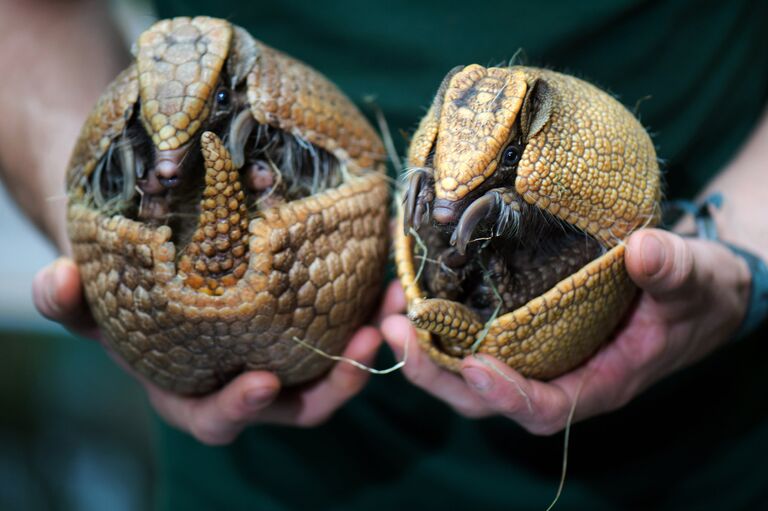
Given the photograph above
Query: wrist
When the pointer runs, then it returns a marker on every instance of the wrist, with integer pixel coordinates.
(754, 294)
(750, 270)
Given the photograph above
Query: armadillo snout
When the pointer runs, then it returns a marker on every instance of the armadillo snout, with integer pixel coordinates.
(444, 211)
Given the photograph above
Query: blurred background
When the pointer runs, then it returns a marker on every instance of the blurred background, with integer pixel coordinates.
(74, 429)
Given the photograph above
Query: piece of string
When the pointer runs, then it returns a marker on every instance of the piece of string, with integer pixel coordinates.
(566, 441)
(359, 365)
(701, 213)
(386, 135)
(424, 252)
(482, 335)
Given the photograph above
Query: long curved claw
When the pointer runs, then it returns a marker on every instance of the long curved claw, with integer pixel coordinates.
(98, 197)
(141, 169)
(126, 160)
(417, 198)
(239, 131)
(128, 168)
(479, 210)
(411, 199)
(455, 324)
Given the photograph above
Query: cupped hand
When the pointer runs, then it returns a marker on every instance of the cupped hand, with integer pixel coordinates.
(693, 297)
(252, 397)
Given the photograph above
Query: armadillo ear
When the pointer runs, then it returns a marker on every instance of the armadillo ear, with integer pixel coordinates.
(242, 56)
(437, 103)
(424, 138)
(537, 108)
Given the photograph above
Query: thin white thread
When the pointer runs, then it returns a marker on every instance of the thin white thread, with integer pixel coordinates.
(359, 365)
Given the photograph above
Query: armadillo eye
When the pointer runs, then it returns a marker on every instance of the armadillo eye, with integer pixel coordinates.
(222, 97)
(511, 155)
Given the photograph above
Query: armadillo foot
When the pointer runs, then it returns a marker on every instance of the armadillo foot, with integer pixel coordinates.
(456, 325)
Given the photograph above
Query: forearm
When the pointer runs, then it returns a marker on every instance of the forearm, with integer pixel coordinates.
(56, 57)
(744, 185)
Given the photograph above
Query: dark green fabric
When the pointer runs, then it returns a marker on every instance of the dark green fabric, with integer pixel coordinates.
(697, 73)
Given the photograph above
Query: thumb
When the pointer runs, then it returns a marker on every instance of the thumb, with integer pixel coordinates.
(664, 264)
(58, 295)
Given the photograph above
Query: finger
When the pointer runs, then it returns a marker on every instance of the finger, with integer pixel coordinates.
(607, 381)
(660, 262)
(218, 418)
(56, 289)
(393, 302)
(58, 295)
(541, 408)
(422, 372)
(682, 274)
(669, 266)
(314, 404)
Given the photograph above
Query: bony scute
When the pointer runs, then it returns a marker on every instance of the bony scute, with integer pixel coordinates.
(200, 209)
(524, 184)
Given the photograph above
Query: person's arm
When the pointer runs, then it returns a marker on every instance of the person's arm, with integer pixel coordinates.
(56, 57)
(694, 297)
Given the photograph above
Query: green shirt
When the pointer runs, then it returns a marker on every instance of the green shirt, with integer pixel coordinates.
(696, 73)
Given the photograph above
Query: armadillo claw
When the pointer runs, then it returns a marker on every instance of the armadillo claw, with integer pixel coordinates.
(417, 198)
(486, 206)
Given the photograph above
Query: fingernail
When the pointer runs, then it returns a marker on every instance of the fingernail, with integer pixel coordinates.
(652, 250)
(477, 379)
(60, 261)
(51, 283)
(59, 277)
(255, 398)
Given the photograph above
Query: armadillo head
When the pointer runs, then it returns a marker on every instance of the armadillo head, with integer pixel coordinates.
(477, 121)
(185, 74)
(179, 63)
(561, 144)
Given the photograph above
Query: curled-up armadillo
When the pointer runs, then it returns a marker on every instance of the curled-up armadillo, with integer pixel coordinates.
(226, 202)
(522, 184)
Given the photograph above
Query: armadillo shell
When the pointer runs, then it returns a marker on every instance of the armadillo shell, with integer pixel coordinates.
(313, 265)
(547, 336)
(590, 164)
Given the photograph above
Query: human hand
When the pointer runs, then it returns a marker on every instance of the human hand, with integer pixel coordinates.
(694, 295)
(252, 397)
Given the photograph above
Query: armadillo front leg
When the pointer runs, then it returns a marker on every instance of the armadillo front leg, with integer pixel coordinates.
(455, 325)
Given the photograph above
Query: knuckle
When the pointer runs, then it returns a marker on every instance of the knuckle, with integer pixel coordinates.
(205, 432)
(621, 398)
(313, 421)
(544, 428)
(471, 412)
(546, 425)
(681, 273)
(417, 374)
(416, 377)
(656, 349)
(512, 406)
(348, 382)
(513, 402)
